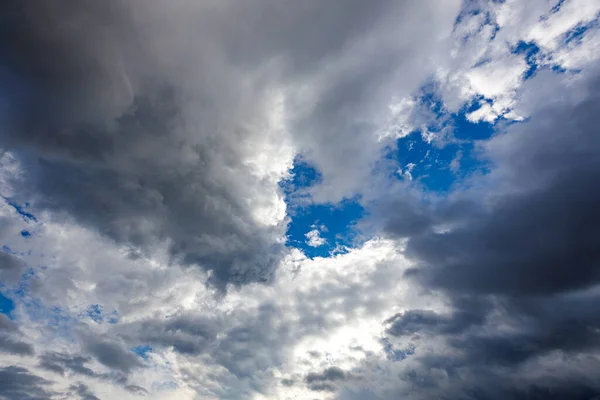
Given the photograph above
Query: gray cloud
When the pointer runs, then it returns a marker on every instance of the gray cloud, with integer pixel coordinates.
(7, 325)
(126, 148)
(9, 343)
(518, 263)
(140, 391)
(112, 132)
(112, 354)
(187, 335)
(325, 380)
(243, 343)
(14, 346)
(18, 383)
(83, 392)
(414, 322)
(11, 267)
(352, 94)
(63, 362)
(547, 223)
(141, 123)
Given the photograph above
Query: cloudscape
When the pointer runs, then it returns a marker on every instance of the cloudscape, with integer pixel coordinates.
(276, 199)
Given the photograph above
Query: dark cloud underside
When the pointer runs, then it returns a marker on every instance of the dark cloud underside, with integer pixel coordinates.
(520, 259)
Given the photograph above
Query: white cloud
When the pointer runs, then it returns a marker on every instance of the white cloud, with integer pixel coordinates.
(406, 172)
(548, 31)
(314, 239)
(482, 62)
(484, 113)
(316, 319)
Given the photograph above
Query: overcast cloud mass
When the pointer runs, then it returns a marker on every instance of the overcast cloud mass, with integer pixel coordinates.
(275, 199)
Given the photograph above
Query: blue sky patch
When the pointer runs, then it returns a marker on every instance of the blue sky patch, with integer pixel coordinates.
(303, 176)
(59, 317)
(396, 355)
(97, 314)
(576, 34)
(142, 350)
(449, 155)
(6, 305)
(317, 229)
(463, 129)
(21, 210)
(420, 161)
(334, 225)
(557, 6)
(530, 50)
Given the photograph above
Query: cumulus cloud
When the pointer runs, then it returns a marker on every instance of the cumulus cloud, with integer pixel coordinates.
(139, 150)
(314, 239)
(144, 153)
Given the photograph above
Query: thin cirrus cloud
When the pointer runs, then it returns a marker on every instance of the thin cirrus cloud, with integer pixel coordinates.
(276, 200)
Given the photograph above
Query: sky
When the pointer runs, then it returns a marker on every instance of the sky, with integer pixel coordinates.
(273, 199)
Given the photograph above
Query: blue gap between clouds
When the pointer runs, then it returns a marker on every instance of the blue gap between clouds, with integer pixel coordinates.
(439, 164)
(557, 6)
(335, 222)
(21, 210)
(428, 163)
(471, 9)
(530, 50)
(97, 314)
(396, 355)
(142, 350)
(571, 38)
(6, 305)
(58, 318)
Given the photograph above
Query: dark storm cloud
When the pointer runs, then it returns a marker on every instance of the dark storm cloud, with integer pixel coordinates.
(18, 383)
(575, 392)
(541, 325)
(102, 136)
(534, 347)
(416, 322)
(519, 266)
(542, 236)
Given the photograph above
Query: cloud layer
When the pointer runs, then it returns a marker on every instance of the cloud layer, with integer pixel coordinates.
(146, 155)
